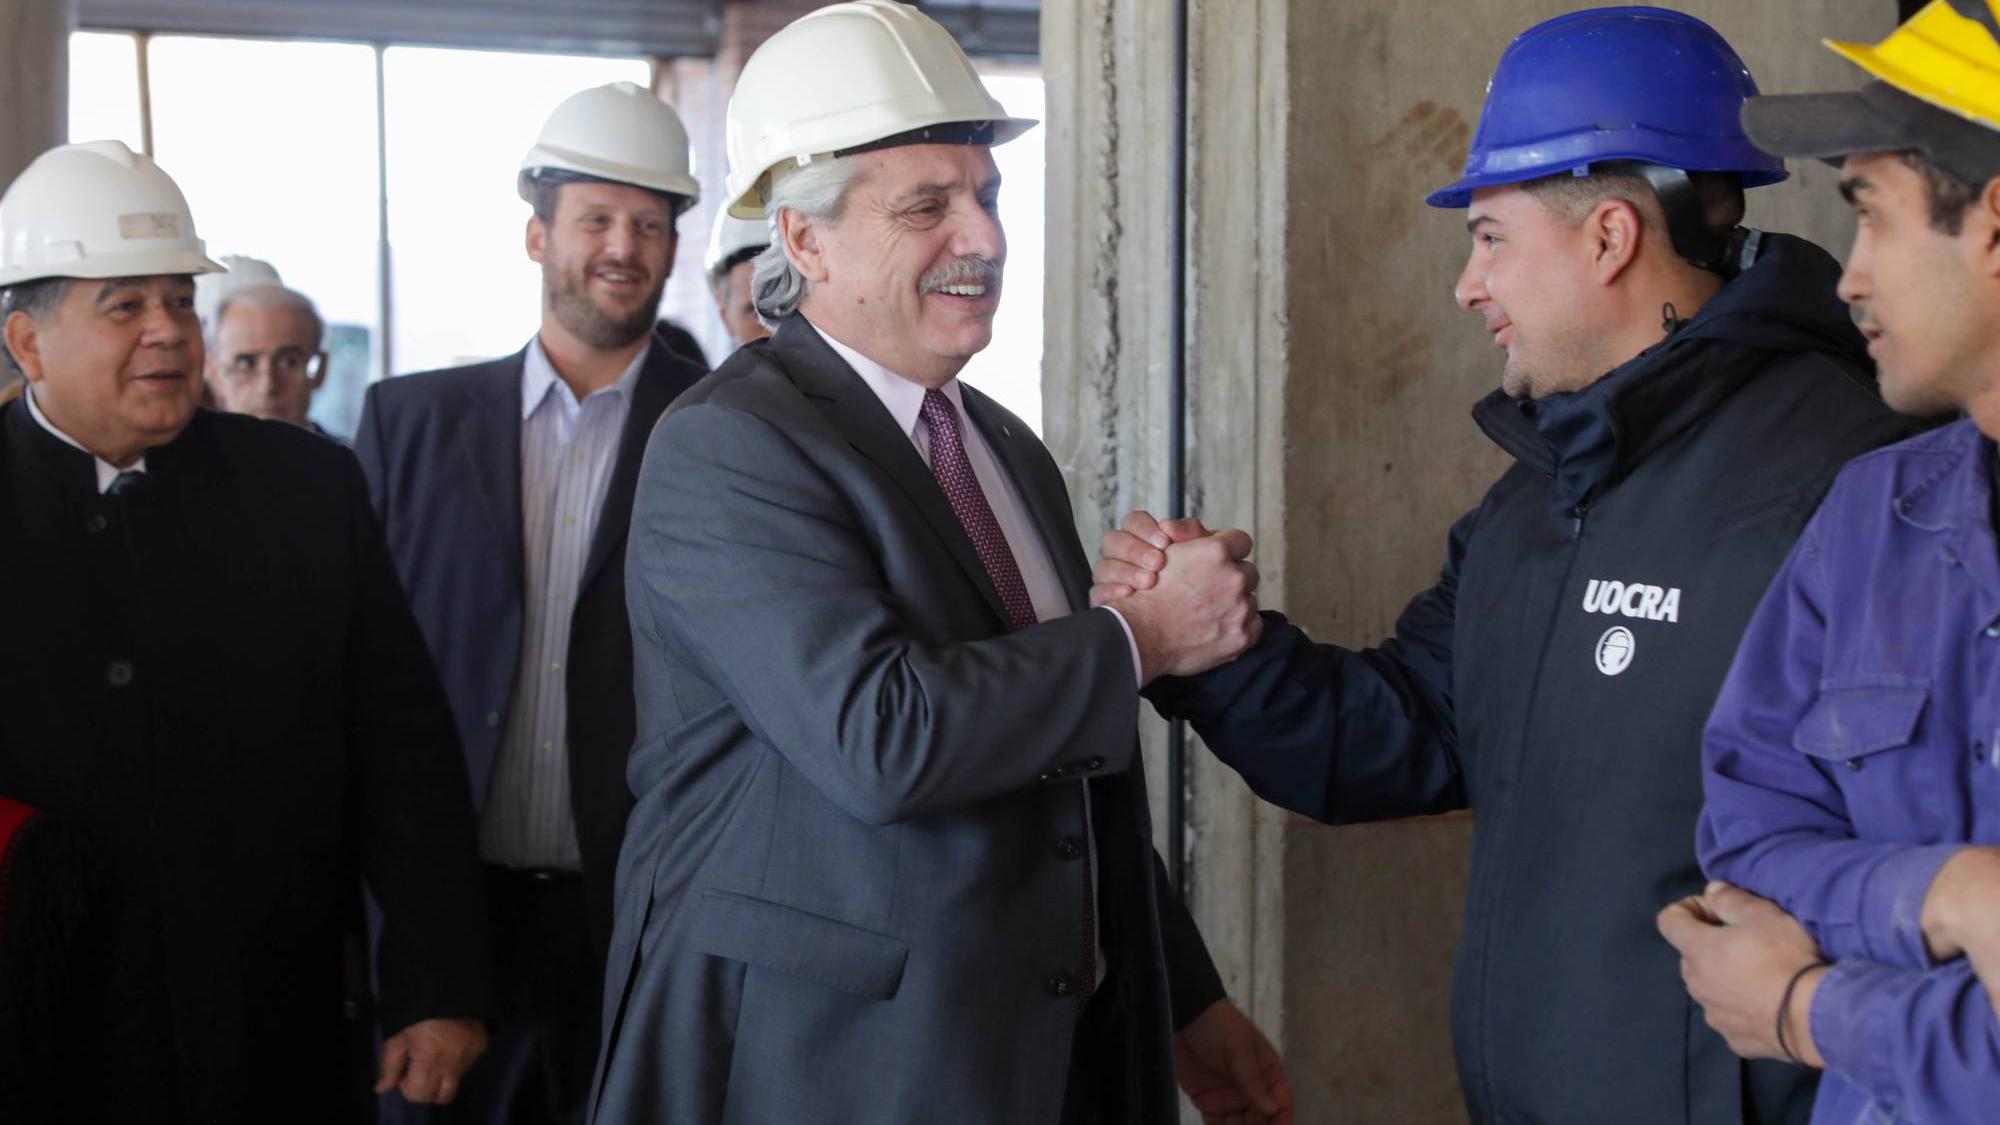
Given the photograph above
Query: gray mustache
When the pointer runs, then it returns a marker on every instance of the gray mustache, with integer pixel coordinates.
(965, 271)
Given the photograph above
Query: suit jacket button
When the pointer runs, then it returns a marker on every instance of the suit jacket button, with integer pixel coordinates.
(1094, 764)
(118, 673)
(1061, 985)
(96, 523)
(492, 718)
(1069, 848)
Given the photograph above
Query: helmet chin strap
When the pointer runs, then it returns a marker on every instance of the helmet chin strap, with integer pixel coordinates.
(1725, 252)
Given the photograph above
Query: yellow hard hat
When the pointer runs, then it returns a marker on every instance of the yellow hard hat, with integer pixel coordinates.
(1936, 91)
(1946, 54)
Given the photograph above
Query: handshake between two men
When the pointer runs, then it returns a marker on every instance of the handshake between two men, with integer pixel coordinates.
(1188, 595)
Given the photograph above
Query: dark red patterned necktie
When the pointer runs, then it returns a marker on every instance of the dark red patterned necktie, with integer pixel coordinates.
(954, 474)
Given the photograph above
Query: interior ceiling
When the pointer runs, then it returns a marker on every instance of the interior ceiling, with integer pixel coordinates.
(654, 28)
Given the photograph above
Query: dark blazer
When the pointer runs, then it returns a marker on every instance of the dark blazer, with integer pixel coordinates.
(215, 679)
(442, 453)
(853, 889)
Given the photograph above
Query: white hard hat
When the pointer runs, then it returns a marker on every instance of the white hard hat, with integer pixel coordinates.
(96, 210)
(845, 77)
(239, 271)
(619, 132)
(732, 236)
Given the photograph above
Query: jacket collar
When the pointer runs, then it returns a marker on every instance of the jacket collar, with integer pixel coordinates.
(1956, 490)
(652, 386)
(1586, 440)
(1953, 500)
(859, 416)
(539, 379)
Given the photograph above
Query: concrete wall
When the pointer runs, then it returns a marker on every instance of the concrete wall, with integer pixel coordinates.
(34, 88)
(1330, 382)
(34, 80)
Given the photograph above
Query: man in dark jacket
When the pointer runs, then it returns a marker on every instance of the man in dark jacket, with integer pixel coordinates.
(209, 673)
(506, 490)
(1677, 396)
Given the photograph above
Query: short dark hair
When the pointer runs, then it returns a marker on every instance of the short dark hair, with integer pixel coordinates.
(37, 298)
(1572, 197)
(548, 184)
(1950, 195)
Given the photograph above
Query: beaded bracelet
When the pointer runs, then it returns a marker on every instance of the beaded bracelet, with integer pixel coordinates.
(1785, 1007)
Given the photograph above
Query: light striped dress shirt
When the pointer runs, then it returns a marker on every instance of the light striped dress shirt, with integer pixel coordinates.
(568, 449)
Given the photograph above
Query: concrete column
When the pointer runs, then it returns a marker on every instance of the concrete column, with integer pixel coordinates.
(699, 90)
(34, 86)
(1330, 380)
(34, 80)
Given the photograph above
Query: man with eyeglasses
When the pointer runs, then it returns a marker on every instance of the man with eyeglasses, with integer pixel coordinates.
(267, 355)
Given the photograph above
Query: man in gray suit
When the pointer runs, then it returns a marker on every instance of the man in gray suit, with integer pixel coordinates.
(890, 861)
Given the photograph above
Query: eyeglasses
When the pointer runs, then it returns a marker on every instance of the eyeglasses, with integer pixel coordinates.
(285, 363)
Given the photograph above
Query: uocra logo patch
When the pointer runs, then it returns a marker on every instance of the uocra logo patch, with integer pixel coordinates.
(1615, 650)
(1633, 599)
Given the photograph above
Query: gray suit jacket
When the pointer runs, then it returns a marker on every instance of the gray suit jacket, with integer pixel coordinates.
(852, 890)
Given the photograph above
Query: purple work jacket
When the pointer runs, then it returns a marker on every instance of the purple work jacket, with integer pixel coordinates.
(1854, 747)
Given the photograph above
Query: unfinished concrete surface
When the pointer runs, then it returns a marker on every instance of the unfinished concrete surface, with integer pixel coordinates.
(34, 80)
(1330, 382)
(34, 86)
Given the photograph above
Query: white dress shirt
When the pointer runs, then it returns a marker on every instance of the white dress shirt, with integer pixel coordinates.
(106, 471)
(568, 451)
(904, 400)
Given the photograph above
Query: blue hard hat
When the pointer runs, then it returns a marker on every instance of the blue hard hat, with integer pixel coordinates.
(1639, 84)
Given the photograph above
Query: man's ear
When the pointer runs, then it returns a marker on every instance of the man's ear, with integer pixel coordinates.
(1982, 221)
(24, 343)
(800, 237)
(537, 238)
(1613, 231)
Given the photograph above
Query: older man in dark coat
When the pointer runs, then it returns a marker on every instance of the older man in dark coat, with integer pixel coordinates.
(210, 672)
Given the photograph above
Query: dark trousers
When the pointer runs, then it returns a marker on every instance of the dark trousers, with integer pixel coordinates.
(1093, 1094)
(551, 983)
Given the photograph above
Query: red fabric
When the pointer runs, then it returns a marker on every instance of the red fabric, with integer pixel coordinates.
(13, 814)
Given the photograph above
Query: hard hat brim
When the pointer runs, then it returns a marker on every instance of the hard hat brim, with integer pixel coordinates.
(104, 266)
(744, 204)
(1876, 118)
(1556, 155)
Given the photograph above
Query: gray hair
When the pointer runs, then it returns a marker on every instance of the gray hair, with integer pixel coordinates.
(819, 192)
(265, 297)
(38, 299)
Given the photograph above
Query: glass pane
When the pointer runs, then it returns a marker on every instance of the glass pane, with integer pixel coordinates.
(104, 88)
(1010, 369)
(274, 143)
(459, 121)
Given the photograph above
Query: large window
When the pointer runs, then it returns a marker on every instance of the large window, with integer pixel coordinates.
(299, 152)
(462, 286)
(273, 142)
(1010, 369)
(277, 147)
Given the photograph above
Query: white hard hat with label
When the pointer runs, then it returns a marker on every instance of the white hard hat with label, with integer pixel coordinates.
(239, 272)
(732, 237)
(96, 210)
(844, 78)
(619, 132)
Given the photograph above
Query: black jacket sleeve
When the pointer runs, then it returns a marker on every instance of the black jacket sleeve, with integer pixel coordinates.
(413, 801)
(1340, 736)
(1192, 980)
